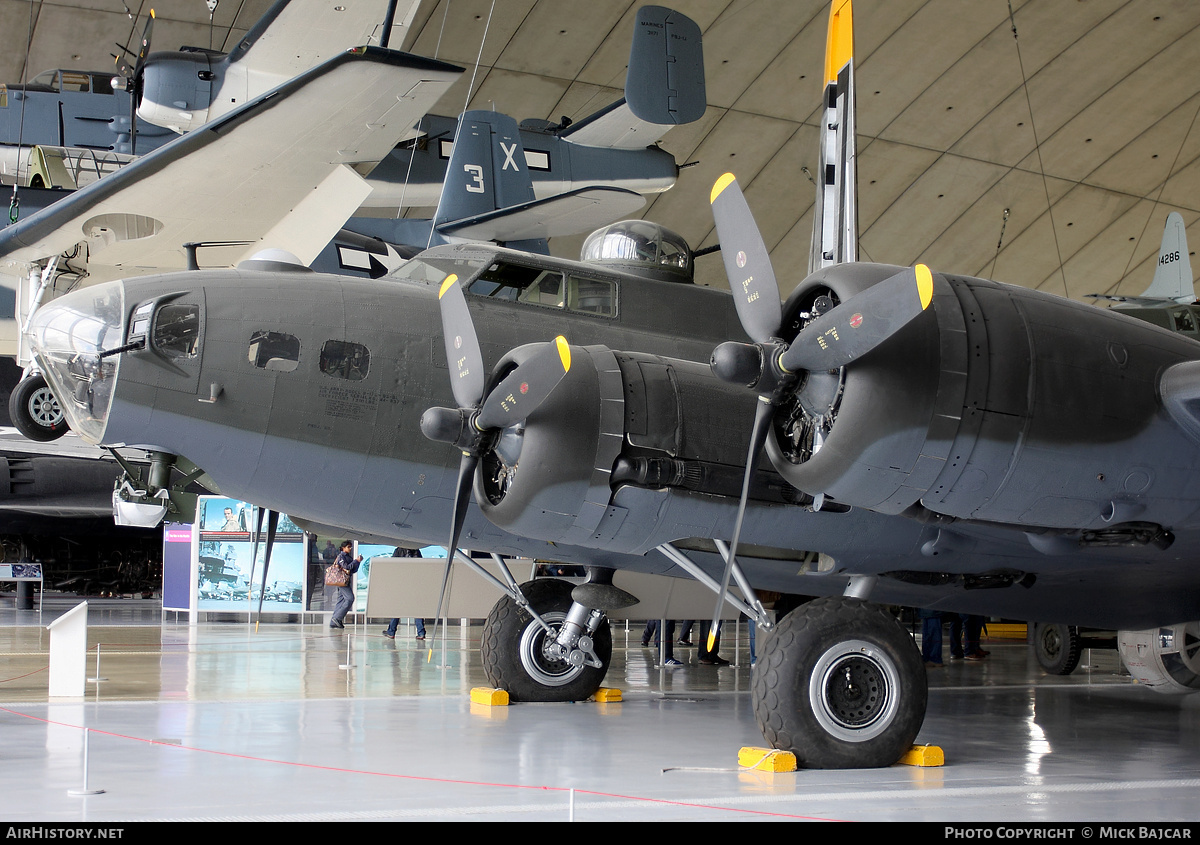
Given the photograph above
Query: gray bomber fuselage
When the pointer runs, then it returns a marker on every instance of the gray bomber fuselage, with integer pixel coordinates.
(349, 452)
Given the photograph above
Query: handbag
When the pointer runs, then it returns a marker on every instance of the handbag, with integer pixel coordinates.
(335, 576)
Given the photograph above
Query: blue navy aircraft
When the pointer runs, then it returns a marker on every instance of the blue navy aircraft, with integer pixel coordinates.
(886, 434)
(66, 126)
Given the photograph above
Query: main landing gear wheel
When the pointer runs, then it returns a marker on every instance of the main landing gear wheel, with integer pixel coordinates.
(1056, 647)
(35, 411)
(841, 685)
(512, 649)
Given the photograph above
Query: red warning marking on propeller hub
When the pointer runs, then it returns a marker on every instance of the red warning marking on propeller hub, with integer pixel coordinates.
(856, 321)
(524, 387)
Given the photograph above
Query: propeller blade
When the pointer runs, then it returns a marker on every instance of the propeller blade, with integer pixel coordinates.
(272, 525)
(462, 498)
(144, 47)
(462, 344)
(747, 264)
(763, 413)
(138, 66)
(861, 323)
(526, 387)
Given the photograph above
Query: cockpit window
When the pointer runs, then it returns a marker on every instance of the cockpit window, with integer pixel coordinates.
(341, 359)
(538, 286)
(177, 331)
(274, 351)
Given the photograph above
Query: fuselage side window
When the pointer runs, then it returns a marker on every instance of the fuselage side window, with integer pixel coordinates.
(1183, 320)
(274, 351)
(591, 296)
(342, 359)
(176, 331)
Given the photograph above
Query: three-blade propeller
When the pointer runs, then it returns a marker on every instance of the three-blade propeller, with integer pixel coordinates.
(133, 81)
(772, 365)
(478, 416)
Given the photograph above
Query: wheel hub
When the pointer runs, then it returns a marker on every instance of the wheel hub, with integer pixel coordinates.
(540, 653)
(43, 408)
(854, 690)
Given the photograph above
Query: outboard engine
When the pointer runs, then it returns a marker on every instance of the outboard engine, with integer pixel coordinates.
(175, 90)
(997, 403)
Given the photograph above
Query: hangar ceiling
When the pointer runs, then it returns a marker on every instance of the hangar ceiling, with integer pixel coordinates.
(1048, 160)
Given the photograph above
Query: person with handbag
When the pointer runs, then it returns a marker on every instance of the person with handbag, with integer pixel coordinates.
(338, 574)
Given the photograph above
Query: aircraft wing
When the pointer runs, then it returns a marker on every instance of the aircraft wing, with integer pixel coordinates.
(282, 171)
(295, 35)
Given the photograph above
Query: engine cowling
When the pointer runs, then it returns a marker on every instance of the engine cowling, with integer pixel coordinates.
(1166, 659)
(176, 90)
(616, 418)
(998, 403)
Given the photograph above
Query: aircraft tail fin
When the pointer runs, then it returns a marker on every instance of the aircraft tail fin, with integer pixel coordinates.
(1173, 275)
(664, 85)
(835, 215)
(487, 170)
(488, 193)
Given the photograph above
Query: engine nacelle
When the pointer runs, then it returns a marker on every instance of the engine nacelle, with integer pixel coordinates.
(176, 90)
(1165, 659)
(615, 418)
(998, 403)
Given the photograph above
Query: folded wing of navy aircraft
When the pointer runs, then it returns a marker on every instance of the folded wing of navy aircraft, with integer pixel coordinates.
(886, 434)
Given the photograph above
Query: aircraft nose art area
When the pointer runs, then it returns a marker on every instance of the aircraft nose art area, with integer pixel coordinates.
(74, 338)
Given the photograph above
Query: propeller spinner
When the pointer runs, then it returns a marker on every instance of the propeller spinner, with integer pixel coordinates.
(772, 366)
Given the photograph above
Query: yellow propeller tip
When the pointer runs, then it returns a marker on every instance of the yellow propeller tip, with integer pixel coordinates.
(451, 280)
(924, 285)
(564, 353)
(712, 640)
(720, 185)
(429, 657)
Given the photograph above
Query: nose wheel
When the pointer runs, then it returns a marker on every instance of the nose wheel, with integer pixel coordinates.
(35, 411)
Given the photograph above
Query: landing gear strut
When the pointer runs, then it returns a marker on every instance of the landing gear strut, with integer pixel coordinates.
(35, 411)
(841, 685)
(531, 663)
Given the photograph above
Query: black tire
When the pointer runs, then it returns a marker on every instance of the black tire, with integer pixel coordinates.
(35, 411)
(511, 653)
(1056, 647)
(802, 700)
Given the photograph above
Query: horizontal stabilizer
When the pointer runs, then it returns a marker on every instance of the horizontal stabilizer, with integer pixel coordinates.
(241, 177)
(615, 126)
(565, 214)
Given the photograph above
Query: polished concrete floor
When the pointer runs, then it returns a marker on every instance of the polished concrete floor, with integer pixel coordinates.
(215, 722)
